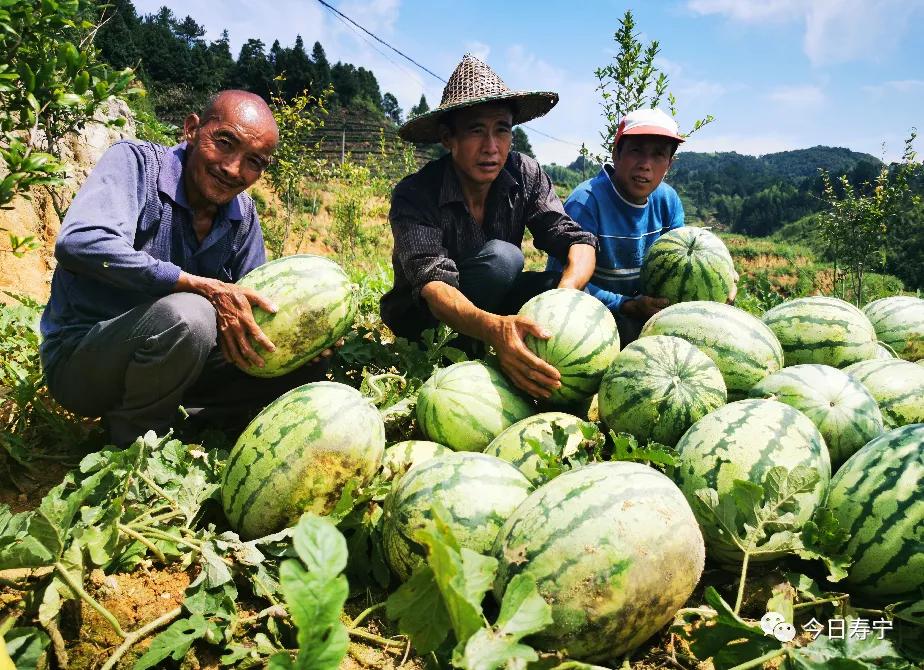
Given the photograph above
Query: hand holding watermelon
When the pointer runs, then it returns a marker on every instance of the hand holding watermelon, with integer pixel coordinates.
(643, 307)
(526, 370)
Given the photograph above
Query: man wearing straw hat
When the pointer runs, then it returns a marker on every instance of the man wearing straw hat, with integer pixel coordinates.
(458, 224)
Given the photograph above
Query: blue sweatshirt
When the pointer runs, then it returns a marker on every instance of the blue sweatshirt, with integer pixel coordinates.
(624, 233)
(127, 236)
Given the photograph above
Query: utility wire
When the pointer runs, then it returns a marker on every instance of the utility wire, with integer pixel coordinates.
(343, 16)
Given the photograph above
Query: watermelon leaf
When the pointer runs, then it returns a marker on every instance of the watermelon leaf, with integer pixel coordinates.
(174, 642)
(418, 608)
(853, 652)
(627, 448)
(823, 539)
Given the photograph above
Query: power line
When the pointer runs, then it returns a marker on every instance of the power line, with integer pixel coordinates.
(344, 17)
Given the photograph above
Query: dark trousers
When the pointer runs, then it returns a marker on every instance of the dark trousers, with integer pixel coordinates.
(136, 370)
(493, 279)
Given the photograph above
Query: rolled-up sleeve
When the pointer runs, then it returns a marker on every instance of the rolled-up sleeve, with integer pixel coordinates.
(553, 230)
(419, 246)
(98, 233)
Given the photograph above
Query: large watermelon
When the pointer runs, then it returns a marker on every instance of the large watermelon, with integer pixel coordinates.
(844, 411)
(477, 491)
(614, 549)
(898, 387)
(297, 455)
(467, 405)
(878, 496)
(401, 457)
(744, 440)
(899, 322)
(584, 340)
(511, 445)
(823, 330)
(316, 306)
(658, 387)
(744, 348)
(686, 264)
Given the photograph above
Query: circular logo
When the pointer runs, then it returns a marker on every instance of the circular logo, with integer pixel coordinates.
(769, 621)
(784, 632)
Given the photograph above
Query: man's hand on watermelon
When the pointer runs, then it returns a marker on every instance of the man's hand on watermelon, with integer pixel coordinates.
(734, 289)
(526, 370)
(643, 307)
(234, 314)
(327, 353)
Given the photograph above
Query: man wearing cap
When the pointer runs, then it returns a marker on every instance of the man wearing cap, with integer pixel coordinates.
(628, 206)
(458, 224)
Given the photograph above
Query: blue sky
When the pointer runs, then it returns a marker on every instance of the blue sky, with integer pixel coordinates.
(776, 74)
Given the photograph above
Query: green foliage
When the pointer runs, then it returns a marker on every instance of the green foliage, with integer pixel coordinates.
(855, 227)
(632, 81)
(297, 158)
(521, 142)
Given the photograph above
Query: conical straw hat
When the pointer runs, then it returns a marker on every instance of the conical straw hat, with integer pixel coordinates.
(474, 83)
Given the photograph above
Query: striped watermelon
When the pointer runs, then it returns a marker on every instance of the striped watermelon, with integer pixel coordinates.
(401, 457)
(511, 445)
(467, 405)
(614, 549)
(686, 264)
(479, 492)
(877, 497)
(898, 387)
(899, 322)
(658, 387)
(744, 348)
(297, 455)
(584, 340)
(744, 440)
(822, 330)
(316, 306)
(842, 409)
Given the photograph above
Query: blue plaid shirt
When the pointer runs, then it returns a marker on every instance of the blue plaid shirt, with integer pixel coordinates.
(127, 236)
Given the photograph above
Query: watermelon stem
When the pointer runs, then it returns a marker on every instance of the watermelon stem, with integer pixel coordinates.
(77, 587)
(741, 581)
(365, 613)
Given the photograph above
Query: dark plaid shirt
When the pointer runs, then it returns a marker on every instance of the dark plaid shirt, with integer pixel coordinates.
(433, 228)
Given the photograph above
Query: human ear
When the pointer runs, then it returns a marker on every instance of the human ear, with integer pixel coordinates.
(190, 127)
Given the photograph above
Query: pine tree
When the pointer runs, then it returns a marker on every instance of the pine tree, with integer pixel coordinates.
(521, 142)
(391, 108)
(420, 108)
(299, 70)
(322, 73)
(253, 71)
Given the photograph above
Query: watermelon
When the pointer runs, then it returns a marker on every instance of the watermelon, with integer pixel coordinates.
(876, 496)
(744, 440)
(843, 410)
(467, 405)
(401, 457)
(899, 323)
(822, 330)
(687, 264)
(511, 445)
(298, 454)
(316, 305)
(614, 549)
(898, 387)
(477, 491)
(744, 348)
(658, 387)
(584, 340)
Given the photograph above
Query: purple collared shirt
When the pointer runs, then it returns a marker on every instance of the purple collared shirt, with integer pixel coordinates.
(127, 236)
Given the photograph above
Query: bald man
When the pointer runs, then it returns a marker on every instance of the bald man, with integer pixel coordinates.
(144, 314)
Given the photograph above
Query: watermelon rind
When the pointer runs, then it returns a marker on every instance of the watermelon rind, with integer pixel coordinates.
(745, 440)
(316, 304)
(468, 404)
(899, 323)
(846, 414)
(822, 330)
(511, 445)
(688, 263)
(402, 456)
(615, 551)
(477, 493)
(876, 496)
(741, 345)
(659, 386)
(898, 387)
(584, 340)
(298, 454)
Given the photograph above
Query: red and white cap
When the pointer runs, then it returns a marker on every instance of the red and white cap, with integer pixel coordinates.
(648, 122)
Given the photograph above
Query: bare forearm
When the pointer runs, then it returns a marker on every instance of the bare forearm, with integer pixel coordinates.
(449, 305)
(582, 259)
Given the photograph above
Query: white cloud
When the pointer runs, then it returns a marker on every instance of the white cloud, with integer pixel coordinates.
(836, 31)
(754, 145)
(797, 96)
(899, 87)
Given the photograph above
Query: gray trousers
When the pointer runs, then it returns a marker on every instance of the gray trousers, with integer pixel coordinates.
(136, 370)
